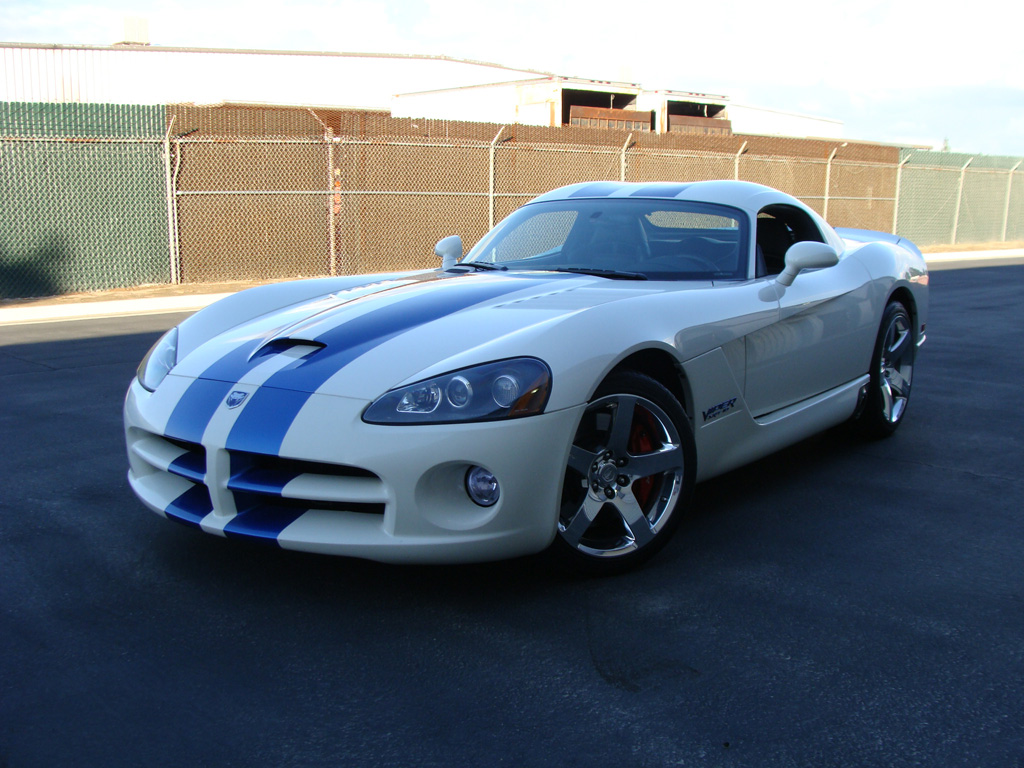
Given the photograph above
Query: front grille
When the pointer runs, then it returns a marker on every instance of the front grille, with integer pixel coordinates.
(258, 479)
(170, 476)
(269, 492)
(191, 464)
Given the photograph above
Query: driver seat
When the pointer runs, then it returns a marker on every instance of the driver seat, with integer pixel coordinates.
(773, 240)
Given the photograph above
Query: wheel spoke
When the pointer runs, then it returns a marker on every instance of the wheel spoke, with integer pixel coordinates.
(581, 459)
(633, 517)
(900, 346)
(622, 425)
(887, 400)
(575, 529)
(898, 382)
(666, 459)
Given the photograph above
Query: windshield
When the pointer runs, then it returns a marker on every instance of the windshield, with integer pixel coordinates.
(639, 238)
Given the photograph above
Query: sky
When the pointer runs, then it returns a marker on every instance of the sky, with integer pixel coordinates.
(926, 72)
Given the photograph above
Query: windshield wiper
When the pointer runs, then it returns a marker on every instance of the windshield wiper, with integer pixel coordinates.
(612, 274)
(481, 266)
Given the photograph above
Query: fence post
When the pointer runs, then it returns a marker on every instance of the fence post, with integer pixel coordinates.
(899, 188)
(171, 205)
(622, 159)
(334, 201)
(736, 163)
(334, 185)
(828, 180)
(490, 179)
(1009, 188)
(959, 200)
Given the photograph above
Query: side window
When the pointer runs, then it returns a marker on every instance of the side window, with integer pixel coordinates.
(778, 227)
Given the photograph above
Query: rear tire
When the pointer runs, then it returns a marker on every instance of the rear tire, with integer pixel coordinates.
(892, 372)
(629, 478)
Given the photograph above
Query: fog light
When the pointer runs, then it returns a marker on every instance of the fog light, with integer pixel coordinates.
(482, 486)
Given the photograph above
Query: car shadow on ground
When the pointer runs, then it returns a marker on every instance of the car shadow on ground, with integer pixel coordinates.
(720, 510)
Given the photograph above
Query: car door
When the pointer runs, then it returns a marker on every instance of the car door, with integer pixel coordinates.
(823, 336)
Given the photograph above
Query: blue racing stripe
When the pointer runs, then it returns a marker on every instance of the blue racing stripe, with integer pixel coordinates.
(262, 425)
(195, 409)
(236, 362)
(264, 522)
(191, 507)
(659, 190)
(598, 189)
(354, 338)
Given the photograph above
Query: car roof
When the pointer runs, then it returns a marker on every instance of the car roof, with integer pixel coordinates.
(740, 194)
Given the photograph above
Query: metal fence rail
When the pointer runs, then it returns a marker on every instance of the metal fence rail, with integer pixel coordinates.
(80, 213)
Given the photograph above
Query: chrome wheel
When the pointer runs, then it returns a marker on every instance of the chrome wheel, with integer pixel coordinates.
(892, 371)
(896, 367)
(629, 467)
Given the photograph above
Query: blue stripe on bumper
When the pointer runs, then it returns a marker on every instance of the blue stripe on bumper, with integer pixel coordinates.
(263, 522)
(191, 507)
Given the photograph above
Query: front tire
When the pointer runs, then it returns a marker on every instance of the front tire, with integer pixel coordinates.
(892, 372)
(630, 476)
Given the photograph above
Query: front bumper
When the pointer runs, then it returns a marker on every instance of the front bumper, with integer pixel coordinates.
(339, 486)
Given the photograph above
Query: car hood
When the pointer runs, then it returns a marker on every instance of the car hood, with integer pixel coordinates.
(363, 340)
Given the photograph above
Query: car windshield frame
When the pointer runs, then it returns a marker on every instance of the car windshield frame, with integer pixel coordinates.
(627, 237)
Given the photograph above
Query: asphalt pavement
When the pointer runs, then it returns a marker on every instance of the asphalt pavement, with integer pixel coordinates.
(841, 603)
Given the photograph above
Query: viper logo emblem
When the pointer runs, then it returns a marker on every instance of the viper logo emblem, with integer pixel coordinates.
(717, 410)
(236, 398)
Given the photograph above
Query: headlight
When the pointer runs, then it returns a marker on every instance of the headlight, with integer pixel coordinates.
(158, 362)
(507, 389)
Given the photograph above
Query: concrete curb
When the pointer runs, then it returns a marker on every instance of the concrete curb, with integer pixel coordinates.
(47, 313)
(973, 255)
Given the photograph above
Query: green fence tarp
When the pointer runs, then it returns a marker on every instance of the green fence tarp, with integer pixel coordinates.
(76, 213)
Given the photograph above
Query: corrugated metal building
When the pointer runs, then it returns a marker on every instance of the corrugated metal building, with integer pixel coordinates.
(436, 87)
(143, 74)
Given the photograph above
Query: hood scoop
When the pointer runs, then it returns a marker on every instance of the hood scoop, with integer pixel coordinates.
(290, 345)
(296, 339)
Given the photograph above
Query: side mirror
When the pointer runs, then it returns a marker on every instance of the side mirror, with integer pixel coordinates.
(450, 250)
(807, 255)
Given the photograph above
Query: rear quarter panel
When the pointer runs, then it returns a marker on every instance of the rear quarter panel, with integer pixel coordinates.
(895, 264)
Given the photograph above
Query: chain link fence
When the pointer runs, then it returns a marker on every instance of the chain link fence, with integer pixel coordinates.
(957, 198)
(263, 194)
(83, 203)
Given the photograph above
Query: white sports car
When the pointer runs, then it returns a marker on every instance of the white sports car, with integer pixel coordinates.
(563, 386)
